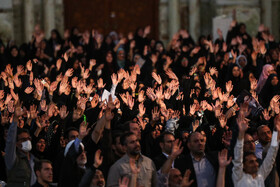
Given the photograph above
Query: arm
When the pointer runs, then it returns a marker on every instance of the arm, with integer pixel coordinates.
(223, 162)
(237, 170)
(10, 149)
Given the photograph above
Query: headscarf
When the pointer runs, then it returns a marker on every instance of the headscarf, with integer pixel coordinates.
(264, 76)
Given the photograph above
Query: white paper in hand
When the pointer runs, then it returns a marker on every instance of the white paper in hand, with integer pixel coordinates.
(105, 96)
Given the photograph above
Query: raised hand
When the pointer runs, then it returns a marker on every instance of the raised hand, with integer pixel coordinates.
(33, 111)
(192, 109)
(186, 182)
(213, 71)
(98, 159)
(114, 78)
(100, 84)
(223, 120)
(18, 111)
(142, 109)
(17, 81)
(266, 115)
(150, 93)
(229, 86)
(63, 113)
(242, 123)
(159, 94)
(176, 149)
(83, 131)
(29, 65)
(69, 72)
(28, 90)
(155, 114)
(157, 77)
(167, 93)
(223, 160)
(94, 101)
(171, 74)
(141, 96)
(130, 102)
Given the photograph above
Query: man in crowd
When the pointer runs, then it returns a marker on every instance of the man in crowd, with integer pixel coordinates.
(44, 173)
(137, 167)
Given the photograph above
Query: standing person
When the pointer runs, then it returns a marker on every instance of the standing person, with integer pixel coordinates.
(139, 168)
(19, 161)
(246, 171)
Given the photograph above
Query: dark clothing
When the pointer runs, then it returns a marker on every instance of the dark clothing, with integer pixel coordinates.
(37, 184)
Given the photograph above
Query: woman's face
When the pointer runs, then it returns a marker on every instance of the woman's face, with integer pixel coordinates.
(41, 145)
(14, 52)
(236, 71)
(274, 81)
(109, 58)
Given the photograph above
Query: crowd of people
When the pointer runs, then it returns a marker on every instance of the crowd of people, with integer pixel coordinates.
(90, 110)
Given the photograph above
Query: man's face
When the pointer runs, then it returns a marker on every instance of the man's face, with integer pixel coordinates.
(72, 135)
(196, 143)
(46, 173)
(98, 179)
(249, 144)
(22, 137)
(82, 159)
(133, 145)
(175, 178)
(134, 128)
(41, 145)
(167, 144)
(251, 165)
(264, 135)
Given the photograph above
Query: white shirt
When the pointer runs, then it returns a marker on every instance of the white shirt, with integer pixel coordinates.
(241, 179)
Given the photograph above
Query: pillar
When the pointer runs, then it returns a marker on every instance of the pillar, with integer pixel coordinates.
(28, 9)
(194, 18)
(49, 17)
(173, 17)
(266, 7)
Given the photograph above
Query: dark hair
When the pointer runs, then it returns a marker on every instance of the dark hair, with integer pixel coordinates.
(247, 154)
(191, 135)
(22, 130)
(115, 136)
(126, 126)
(125, 136)
(165, 133)
(66, 134)
(39, 164)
